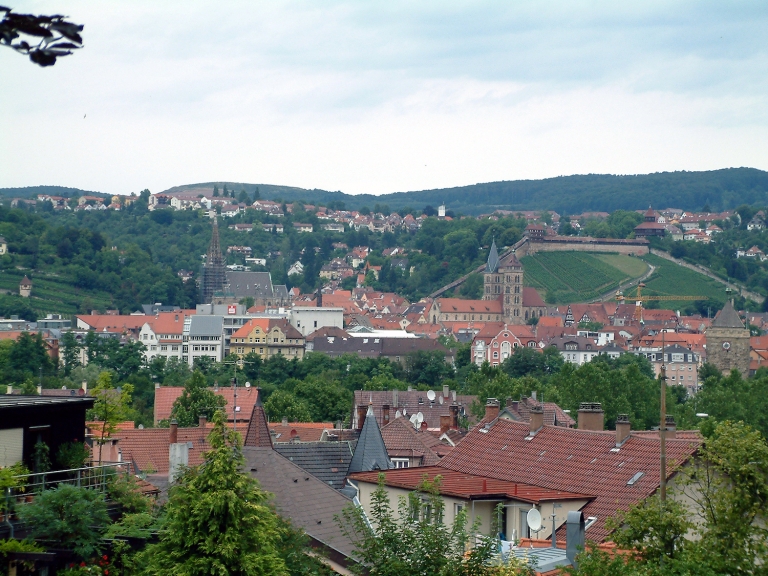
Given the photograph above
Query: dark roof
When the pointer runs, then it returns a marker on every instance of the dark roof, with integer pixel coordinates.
(727, 318)
(13, 401)
(308, 502)
(256, 284)
(510, 261)
(370, 452)
(493, 259)
(326, 461)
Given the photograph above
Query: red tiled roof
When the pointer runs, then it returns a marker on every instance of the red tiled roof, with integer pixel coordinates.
(409, 400)
(258, 435)
(571, 460)
(301, 431)
(148, 447)
(401, 439)
(110, 323)
(470, 486)
(457, 305)
(165, 396)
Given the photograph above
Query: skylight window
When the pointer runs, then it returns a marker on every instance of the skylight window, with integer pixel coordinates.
(635, 478)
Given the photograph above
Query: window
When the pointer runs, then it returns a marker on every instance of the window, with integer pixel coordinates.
(174, 348)
(315, 323)
(401, 462)
(164, 348)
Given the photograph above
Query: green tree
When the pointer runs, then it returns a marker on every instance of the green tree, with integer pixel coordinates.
(196, 400)
(72, 517)
(45, 38)
(111, 406)
(217, 519)
(70, 352)
(284, 404)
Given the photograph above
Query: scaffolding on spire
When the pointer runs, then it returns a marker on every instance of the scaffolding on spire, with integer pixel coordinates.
(213, 274)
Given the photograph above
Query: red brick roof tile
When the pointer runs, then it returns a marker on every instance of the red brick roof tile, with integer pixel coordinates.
(165, 396)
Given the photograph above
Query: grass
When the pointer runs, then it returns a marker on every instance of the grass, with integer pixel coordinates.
(669, 279)
(578, 276)
(53, 293)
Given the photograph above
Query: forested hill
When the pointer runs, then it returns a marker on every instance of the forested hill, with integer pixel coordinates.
(719, 189)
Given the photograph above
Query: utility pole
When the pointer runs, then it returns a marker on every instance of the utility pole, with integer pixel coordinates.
(663, 426)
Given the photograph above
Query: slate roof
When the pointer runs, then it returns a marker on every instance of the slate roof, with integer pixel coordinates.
(403, 441)
(469, 486)
(370, 452)
(727, 318)
(327, 461)
(308, 502)
(206, 325)
(255, 284)
(570, 460)
(493, 258)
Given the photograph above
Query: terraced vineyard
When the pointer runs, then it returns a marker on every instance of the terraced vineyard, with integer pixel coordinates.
(54, 294)
(669, 279)
(563, 277)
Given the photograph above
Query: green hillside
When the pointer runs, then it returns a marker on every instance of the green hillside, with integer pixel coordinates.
(720, 189)
(563, 277)
(669, 279)
(54, 293)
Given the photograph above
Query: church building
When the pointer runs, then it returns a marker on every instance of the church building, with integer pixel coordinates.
(503, 281)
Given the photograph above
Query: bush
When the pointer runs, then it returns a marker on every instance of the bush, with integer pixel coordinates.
(72, 517)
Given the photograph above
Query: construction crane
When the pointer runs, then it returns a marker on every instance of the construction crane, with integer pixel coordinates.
(639, 299)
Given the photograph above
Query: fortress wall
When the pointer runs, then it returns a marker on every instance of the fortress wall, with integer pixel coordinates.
(633, 248)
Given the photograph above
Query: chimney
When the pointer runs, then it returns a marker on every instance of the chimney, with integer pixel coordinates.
(174, 435)
(453, 395)
(360, 417)
(446, 390)
(39, 390)
(202, 421)
(9, 389)
(385, 414)
(491, 409)
(445, 423)
(590, 416)
(394, 398)
(537, 419)
(454, 408)
(671, 427)
(285, 421)
(84, 386)
(338, 424)
(574, 536)
(157, 385)
(424, 426)
(622, 429)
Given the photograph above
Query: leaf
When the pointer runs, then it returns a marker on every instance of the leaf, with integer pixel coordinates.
(64, 46)
(42, 58)
(68, 30)
(32, 29)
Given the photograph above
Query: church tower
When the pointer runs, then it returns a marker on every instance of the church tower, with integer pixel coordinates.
(213, 274)
(728, 342)
(503, 281)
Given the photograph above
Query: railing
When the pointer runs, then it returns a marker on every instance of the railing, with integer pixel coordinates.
(91, 477)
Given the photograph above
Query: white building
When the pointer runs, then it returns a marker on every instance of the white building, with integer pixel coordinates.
(203, 336)
(307, 319)
(162, 335)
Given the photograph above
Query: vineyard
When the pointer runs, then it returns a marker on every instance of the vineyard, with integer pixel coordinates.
(564, 277)
(669, 279)
(55, 294)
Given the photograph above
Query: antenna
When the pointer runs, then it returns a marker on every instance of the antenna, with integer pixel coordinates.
(533, 518)
(431, 395)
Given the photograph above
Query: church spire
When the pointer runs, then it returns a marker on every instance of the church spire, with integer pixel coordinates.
(213, 273)
(493, 259)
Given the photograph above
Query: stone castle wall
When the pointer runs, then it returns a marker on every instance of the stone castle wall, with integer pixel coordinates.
(637, 247)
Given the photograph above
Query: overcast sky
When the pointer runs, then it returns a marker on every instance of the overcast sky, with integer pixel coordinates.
(380, 97)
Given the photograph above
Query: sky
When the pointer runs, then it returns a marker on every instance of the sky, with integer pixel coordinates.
(376, 97)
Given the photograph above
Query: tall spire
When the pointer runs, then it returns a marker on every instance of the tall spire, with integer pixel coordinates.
(370, 452)
(493, 259)
(214, 271)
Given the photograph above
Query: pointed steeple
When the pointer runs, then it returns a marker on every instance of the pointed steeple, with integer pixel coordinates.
(728, 317)
(258, 430)
(370, 452)
(214, 271)
(493, 259)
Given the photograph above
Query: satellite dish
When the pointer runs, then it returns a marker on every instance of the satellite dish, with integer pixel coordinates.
(420, 417)
(398, 414)
(405, 412)
(534, 519)
(141, 426)
(440, 400)
(431, 395)
(414, 421)
(247, 384)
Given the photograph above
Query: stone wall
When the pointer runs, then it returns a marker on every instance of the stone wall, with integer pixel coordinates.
(737, 353)
(637, 247)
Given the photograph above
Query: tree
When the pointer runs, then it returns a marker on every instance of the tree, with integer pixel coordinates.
(111, 406)
(416, 540)
(54, 35)
(284, 404)
(217, 519)
(196, 400)
(72, 517)
(70, 352)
